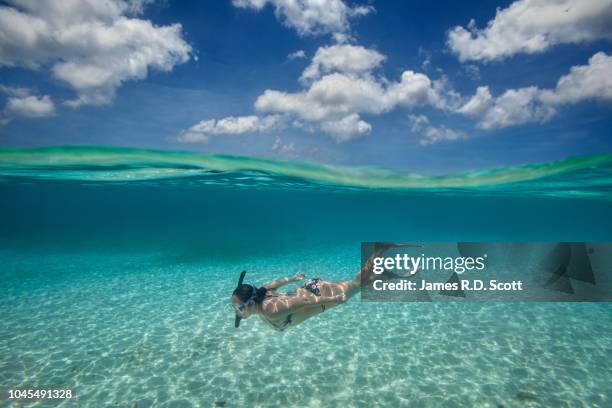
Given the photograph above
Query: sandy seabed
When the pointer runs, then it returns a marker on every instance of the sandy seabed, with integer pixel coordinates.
(141, 330)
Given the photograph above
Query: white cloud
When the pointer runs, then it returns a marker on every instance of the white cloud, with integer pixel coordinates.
(426, 56)
(30, 106)
(416, 89)
(471, 71)
(515, 106)
(332, 97)
(297, 54)
(433, 134)
(532, 26)
(231, 125)
(532, 104)
(349, 59)
(22, 104)
(337, 94)
(192, 137)
(347, 128)
(592, 81)
(93, 46)
(284, 149)
(340, 86)
(311, 17)
(15, 91)
(478, 103)
(333, 103)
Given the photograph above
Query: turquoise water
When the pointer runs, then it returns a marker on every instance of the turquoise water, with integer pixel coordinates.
(117, 267)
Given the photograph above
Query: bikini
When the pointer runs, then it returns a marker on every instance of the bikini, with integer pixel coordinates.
(314, 287)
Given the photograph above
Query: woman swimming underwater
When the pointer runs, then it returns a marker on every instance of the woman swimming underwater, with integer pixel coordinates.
(281, 310)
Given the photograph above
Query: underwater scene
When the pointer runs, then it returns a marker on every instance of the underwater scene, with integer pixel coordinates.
(117, 267)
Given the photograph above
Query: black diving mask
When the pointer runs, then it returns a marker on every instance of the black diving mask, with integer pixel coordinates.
(240, 309)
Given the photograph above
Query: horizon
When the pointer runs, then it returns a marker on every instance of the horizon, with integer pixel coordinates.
(83, 161)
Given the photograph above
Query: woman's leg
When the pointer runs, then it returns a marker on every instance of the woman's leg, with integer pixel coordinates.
(332, 289)
(349, 288)
(327, 288)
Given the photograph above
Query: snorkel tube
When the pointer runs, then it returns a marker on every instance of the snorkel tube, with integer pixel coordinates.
(238, 317)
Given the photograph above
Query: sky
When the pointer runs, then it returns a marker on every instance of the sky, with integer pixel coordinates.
(431, 87)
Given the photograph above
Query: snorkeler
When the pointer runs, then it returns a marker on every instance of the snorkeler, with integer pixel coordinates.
(281, 310)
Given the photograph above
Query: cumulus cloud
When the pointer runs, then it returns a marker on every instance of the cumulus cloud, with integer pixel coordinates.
(30, 106)
(346, 128)
(592, 81)
(93, 46)
(20, 103)
(478, 103)
(532, 26)
(516, 106)
(532, 104)
(15, 91)
(334, 102)
(282, 148)
(311, 17)
(513, 107)
(331, 97)
(350, 59)
(296, 55)
(471, 71)
(188, 137)
(416, 89)
(338, 94)
(231, 125)
(433, 134)
(425, 55)
(339, 86)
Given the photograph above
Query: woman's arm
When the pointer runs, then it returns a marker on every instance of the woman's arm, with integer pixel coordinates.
(283, 281)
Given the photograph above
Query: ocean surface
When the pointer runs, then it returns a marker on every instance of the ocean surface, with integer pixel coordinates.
(117, 266)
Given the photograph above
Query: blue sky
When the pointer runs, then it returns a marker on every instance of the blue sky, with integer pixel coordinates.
(407, 84)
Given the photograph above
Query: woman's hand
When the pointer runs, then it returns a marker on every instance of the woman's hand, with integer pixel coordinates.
(298, 277)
